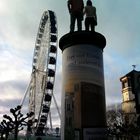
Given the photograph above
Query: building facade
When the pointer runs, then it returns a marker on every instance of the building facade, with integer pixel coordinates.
(130, 95)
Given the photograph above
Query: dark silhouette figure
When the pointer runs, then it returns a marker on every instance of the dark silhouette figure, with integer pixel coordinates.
(91, 17)
(75, 8)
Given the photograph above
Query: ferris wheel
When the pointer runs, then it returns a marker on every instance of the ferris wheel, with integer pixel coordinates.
(42, 80)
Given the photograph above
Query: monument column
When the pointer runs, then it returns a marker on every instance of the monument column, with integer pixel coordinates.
(83, 95)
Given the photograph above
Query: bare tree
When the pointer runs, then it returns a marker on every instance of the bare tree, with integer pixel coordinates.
(18, 120)
(118, 127)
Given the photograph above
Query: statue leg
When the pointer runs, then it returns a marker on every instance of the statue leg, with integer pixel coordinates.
(87, 24)
(92, 23)
(72, 24)
(79, 21)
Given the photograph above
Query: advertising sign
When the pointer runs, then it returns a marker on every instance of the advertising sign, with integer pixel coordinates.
(83, 62)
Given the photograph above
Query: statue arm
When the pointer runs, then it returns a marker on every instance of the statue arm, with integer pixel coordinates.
(84, 11)
(69, 6)
(82, 5)
(95, 15)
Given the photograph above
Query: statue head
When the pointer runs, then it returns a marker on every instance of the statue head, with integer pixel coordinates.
(89, 3)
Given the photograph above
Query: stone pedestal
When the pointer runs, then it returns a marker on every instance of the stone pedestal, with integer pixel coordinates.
(83, 95)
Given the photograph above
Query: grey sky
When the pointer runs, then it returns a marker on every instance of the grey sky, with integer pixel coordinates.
(118, 21)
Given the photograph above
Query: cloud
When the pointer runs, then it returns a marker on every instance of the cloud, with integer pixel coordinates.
(12, 90)
(13, 66)
(120, 25)
(17, 41)
(118, 21)
(112, 83)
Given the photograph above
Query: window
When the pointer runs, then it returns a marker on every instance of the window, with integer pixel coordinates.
(68, 107)
(125, 84)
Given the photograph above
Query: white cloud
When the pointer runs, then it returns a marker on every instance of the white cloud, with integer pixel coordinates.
(3, 7)
(10, 93)
(3, 110)
(12, 67)
(18, 29)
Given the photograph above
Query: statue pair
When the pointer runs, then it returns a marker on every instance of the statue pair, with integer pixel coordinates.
(77, 11)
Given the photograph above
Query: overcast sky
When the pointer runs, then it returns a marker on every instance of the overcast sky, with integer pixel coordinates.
(118, 21)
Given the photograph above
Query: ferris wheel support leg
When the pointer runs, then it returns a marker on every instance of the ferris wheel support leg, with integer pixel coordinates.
(57, 107)
(26, 92)
(50, 117)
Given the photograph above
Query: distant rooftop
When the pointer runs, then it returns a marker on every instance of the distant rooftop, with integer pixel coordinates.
(131, 74)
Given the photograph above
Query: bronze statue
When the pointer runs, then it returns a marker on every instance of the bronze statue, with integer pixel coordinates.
(75, 8)
(91, 17)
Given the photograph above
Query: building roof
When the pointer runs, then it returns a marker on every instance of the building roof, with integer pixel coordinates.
(130, 74)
